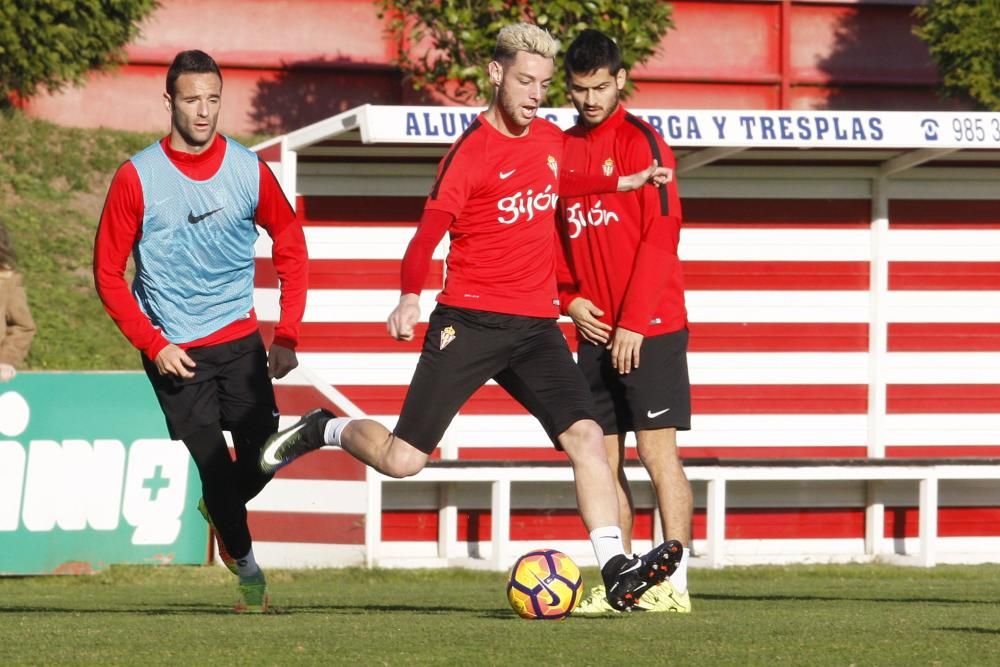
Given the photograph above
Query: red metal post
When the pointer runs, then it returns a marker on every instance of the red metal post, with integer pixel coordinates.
(785, 28)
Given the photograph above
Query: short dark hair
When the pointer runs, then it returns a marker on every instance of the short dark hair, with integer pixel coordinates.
(190, 62)
(591, 51)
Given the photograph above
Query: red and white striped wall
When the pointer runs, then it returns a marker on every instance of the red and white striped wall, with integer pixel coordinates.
(843, 302)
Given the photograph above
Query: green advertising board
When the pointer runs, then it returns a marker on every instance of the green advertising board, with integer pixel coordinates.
(89, 477)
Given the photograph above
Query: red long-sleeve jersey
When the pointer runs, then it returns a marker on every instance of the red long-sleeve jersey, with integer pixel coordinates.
(121, 228)
(496, 195)
(621, 248)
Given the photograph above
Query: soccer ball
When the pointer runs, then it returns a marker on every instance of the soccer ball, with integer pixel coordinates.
(544, 584)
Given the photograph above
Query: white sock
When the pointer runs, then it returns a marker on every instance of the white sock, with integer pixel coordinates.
(607, 543)
(680, 576)
(247, 566)
(334, 428)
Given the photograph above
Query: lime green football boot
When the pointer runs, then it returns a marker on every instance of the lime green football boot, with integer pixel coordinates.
(253, 595)
(595, 604)
(220, 548)
(660, 598)
(664, 597)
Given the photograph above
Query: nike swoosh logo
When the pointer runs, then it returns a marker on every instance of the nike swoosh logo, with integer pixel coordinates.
(638, 564)
(651, 414)
(642, 584)
(268, 456)
(553, 598)
(504, 175)
(195, 219)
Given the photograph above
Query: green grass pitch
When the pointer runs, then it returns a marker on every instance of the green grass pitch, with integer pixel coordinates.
(800, 615)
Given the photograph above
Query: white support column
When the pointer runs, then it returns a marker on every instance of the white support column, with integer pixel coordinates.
(373, 517)
(500, 519)
(447, 521)
(289, 176)
(874, 518)
(878, 329)
(448, 446)
(928, 520)
(715, 519)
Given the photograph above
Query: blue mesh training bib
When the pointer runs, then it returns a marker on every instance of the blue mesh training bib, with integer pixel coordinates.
(195, 258)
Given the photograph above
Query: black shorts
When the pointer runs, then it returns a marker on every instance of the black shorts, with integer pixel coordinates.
(230, 387)
(657, 394)
(463, 349)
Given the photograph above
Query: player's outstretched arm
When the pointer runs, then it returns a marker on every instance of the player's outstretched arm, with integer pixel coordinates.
(654, 174)
(413, 271)
(119, 228)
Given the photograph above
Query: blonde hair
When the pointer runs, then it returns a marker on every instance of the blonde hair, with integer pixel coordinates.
(525, 37)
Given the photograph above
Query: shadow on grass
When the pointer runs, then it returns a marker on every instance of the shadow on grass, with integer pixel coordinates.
(972, 631)
(728, 597)
(275, 610)
(390, 608)
(169, 610)
(494, 614)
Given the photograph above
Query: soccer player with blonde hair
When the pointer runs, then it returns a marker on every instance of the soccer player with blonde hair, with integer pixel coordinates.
(496, 193)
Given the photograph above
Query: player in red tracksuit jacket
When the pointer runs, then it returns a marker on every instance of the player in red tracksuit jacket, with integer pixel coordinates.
(621, 282)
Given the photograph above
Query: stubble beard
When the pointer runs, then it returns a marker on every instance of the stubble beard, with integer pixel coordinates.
(187, 134)
(512, 110)
(589, 124)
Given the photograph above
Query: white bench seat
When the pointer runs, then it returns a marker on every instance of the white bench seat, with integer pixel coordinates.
(927, 472)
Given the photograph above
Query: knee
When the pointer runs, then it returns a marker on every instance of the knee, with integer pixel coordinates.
(648, 456)
(402, 460)
(211, 457)
(399, 469)
(657, 448)
(583, 438)
(664, 465)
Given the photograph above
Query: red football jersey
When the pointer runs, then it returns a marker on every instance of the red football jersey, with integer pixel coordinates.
(503, 192)
(622, 247)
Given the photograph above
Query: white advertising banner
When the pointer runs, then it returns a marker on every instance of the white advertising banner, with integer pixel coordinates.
(737, 128)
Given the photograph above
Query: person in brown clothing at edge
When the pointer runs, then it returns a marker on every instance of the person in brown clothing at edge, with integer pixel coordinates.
(17, 328)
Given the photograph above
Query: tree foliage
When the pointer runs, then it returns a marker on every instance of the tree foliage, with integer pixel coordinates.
(445, 45)
(964, 40)
(49, 43)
